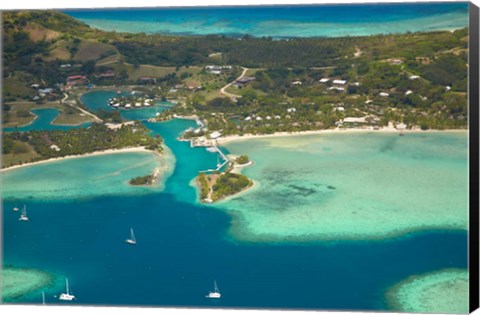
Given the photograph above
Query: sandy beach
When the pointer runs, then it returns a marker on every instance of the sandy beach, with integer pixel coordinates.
(389, 129)
(104, 152)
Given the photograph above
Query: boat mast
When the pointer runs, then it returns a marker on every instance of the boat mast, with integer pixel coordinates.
(132, 235)
(66, 281)
(215, 284)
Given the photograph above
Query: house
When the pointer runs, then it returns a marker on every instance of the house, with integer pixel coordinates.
(291, 110)
(76, 80)
(340, 82)
(259, 118)
(448, 88)
(245, 80)
(35, 86)
(338, 88)
(324, 80)
(383, 94)
(215, 135)
(355, 120)
(297, 82)
(248, 118)
(106, 74)
(368, 101)
(395, 61)
(339, 109)
(55, 147)
(414, 77)
(408, 92)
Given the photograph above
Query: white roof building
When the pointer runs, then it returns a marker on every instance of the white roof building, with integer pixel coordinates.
(215, 135)
(291, 110)
(297, 82)
(383, 94)
(408, 92)
(359, 120)
(414, 77)
(248, 118)
(324, 80)
(340, 82)
(338, 88)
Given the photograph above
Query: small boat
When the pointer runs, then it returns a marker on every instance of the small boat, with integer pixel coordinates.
(215, 294)
(67, 296)
(15, 209)
(132, 239)
(211, 149)
(23, 216)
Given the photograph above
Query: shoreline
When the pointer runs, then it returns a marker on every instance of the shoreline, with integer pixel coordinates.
(228, 139)
(104, 152)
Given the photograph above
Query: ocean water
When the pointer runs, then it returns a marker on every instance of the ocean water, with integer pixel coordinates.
(183, 246)
(332, 20)
(97, 100)
(45, 117)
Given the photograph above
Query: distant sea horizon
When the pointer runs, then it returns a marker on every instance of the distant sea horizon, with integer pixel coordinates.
(281, 21)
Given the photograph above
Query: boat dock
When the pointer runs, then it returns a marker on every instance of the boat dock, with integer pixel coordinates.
(219, 165)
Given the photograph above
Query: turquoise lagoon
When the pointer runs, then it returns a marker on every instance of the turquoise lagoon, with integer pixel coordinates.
(183, 245)
(44, 121)
(352, 185)
(97, 100)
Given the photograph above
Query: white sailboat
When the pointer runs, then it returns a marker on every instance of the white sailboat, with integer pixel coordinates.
(215, 294)
(66, 296)
(132, 239)
(23, 216)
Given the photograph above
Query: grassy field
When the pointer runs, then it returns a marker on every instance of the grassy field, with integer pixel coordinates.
(38, 33)
(60, 50)
(18, 158)
(15, 86)
(92, 50)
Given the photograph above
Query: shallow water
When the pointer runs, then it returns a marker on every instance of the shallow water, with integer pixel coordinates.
(347, 186)
(44, 120)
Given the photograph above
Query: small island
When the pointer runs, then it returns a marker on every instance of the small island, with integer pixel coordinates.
(147, 180)
(214, 187)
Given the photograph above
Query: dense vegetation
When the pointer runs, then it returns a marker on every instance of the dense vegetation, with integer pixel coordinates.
(142, 180)
(243, 159)
(58, 143)
(228, 184)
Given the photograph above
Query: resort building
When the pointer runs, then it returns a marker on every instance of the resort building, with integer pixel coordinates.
(215, 135)
(340, 82)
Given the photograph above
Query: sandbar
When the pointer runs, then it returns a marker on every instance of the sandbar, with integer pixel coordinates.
(18, 282)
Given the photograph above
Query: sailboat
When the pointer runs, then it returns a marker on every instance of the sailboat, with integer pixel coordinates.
(66, 296)
(215, 294)
(23, 216)
(132, 239)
